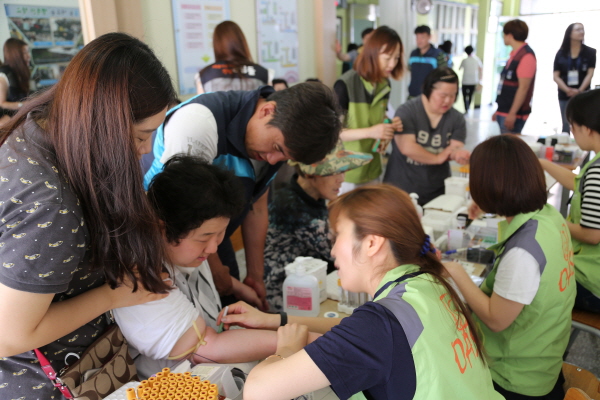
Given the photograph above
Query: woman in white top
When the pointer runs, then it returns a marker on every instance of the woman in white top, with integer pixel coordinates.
(472, 71)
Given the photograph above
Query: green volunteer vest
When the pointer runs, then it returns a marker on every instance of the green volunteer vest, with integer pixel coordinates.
(363, 113)
(447, 363)
(587, 266)
(526, 357)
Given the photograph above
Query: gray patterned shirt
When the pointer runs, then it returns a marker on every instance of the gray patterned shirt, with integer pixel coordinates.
(43, 249)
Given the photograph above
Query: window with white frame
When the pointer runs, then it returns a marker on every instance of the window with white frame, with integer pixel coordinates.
(456, 22)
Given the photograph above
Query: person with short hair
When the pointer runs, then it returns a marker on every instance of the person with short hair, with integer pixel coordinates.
(434, 133)
(574, 67)
(416, 340)
(250, 133)
(364, 93)
(298, 216)
(279, 84)
(424, 59)
(584, 214)
(194, 201)
(233, 68)
(516, 80)
(472, 72)
(524, 304)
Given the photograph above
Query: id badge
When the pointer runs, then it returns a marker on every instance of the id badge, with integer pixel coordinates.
(509, 75)
(573, 78)
(500, 87)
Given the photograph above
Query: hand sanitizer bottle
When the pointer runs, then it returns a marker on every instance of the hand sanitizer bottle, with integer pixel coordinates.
(301, 293)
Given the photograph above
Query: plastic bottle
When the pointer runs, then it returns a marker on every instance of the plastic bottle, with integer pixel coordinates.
(301, 293)
(414, 198)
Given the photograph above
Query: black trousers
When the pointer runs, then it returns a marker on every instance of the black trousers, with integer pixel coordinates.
(468, 91)
(557, 393)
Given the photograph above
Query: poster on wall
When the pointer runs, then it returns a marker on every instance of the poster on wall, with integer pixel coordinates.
(277, 26)
(53, 35)
(194, 22)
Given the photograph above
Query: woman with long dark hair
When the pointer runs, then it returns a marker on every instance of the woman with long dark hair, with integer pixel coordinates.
(574, 67)
(78, 233)
(233, 68)
(416, 340)
(14, 77)
(524, 305)
(363, 93)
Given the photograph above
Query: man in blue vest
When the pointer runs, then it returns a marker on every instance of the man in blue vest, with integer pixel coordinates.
(515, 89)
(424, 59)
(250, 133)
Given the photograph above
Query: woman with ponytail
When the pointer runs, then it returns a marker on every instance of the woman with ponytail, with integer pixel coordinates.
(416, 340)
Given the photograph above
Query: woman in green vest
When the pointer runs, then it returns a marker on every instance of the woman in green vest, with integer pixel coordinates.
(363, 93)
(416, 340)
(584, 217)
(524, 305)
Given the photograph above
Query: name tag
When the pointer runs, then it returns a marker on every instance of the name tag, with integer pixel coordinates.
(573, 78)
(500, 87)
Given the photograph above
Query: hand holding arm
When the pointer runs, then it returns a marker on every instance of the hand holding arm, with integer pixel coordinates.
(38, 321)
(275, 378)
(407, 144)
(244, 315)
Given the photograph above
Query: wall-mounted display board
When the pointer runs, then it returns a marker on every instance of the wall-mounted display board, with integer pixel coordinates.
(277, 31)
(194, 22)
(53, 35)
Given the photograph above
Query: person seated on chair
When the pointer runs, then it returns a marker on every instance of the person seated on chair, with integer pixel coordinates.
(194, 201)
(298, 216)
(524, 305)
(585, 204)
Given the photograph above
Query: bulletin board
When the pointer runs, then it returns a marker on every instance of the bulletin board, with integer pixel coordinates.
(53, 35)
(277, 32)
(194, 22)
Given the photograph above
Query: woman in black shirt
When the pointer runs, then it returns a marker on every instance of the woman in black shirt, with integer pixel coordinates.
(574, 66)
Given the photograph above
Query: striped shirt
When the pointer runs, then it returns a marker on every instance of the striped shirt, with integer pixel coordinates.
(590, 199)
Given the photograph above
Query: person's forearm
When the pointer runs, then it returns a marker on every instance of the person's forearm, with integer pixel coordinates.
(519, 99)
(561, 84)
(418, 153)
(583, 234)
(587, 80)
(254, 233)
(565, 177)
(348, 135)
(236, 345)
(343, 57)
(60, 319)
(220, 274)
(478, 301)
(11, 105)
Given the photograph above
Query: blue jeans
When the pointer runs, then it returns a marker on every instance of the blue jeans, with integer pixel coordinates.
(519, 124)
(586, 301)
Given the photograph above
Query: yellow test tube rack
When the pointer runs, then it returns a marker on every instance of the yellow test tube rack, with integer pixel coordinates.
(173, 386)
